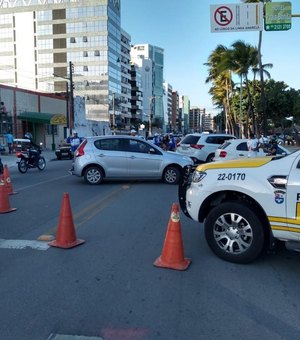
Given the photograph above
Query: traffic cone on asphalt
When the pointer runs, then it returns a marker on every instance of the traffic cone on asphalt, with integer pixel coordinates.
(4, 199)
(172, 255)
(66, 235)
(7, 181)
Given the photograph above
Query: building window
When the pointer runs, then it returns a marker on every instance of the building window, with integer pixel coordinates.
(85, 68)
(72, 40)
(97, 53)
(85, 39)
(85, 54)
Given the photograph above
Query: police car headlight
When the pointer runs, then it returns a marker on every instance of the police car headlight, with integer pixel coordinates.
(198, 176)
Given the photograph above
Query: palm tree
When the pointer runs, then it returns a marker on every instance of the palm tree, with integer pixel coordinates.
(240, 59)
(222, 84)
(256, 70)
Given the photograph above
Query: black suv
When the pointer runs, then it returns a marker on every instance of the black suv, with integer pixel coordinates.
(64, 151)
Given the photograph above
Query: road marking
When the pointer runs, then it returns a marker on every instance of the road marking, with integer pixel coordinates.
(72, 337)
(23, 244)
(89, 211)
(43, 182)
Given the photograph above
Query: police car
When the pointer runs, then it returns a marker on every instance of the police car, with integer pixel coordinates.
(246, 205)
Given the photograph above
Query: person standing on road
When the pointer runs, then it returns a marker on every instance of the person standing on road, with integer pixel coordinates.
(9, 140)
(75, 141)
(252, 146)
(157, 139)
(172, 143)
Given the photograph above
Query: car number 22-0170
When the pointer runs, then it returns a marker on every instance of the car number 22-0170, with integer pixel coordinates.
(236, 176)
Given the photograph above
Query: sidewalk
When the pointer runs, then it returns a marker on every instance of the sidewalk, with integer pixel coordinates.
(11, 160)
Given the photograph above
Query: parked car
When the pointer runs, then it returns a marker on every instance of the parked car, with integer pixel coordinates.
(201, 147)
(64, 151)
(237, 148)
(126, 157)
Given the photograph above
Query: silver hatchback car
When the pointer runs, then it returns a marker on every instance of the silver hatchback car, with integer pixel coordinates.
(126, 157)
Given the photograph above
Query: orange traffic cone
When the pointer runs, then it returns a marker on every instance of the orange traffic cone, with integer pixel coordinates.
(172, 255)
(66, 235)
(7, 180)
(4, 200)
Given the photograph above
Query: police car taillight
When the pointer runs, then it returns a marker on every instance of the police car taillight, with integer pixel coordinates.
(80, 150)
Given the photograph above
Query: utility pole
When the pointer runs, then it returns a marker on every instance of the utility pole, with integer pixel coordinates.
(114, 112)
(71, 119)
(150, 115)
(70, 96)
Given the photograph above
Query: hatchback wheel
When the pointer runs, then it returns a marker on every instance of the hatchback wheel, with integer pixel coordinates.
(171, 175)
(234, 232)
(93, 175)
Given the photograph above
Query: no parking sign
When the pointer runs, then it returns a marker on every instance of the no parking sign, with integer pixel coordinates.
(236, 17)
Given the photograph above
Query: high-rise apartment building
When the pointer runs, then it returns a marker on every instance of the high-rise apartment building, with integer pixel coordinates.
(195, 119)
(168, 89)
(125, 102)
(136, 96)
(150, 60)
(184, 105)
(47, 44)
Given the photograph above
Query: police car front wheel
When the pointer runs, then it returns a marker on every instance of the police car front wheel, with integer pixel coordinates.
(234, 232)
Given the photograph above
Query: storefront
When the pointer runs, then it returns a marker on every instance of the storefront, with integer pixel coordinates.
(46, 128)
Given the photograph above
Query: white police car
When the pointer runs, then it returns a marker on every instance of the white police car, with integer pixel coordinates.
(245, 204)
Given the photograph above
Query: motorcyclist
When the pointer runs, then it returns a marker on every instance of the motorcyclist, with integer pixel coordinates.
(34, 150)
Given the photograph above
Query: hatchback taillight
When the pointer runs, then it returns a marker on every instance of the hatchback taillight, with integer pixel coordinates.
(197, 146)
(223, 154)
(80, 150)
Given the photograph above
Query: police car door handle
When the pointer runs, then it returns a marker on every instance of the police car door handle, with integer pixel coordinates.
(241, 154)
(132, 157)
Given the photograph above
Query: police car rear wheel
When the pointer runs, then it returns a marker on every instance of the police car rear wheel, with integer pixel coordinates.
(234, 232)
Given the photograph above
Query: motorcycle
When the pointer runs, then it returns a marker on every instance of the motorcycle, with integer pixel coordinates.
(30, 159)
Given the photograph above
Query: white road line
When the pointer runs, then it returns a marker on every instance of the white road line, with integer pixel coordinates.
(43, 182)
(72, 337)
(23, 244)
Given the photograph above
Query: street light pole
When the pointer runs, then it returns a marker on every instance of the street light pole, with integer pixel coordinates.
(150, 115)
(114, 111)
(70, 96)
(71, 120)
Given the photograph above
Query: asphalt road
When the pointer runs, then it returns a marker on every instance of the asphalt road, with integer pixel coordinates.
(108, 287)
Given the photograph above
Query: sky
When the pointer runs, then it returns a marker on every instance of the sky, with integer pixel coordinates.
(183, 30)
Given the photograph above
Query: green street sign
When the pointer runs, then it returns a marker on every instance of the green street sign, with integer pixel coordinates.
(278, 16)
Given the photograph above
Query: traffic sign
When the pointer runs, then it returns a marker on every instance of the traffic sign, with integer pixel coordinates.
(278, 16)
(236, 17)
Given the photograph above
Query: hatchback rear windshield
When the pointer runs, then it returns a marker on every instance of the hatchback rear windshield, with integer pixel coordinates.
(190, 139)
(224, 145)
(217, 139)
